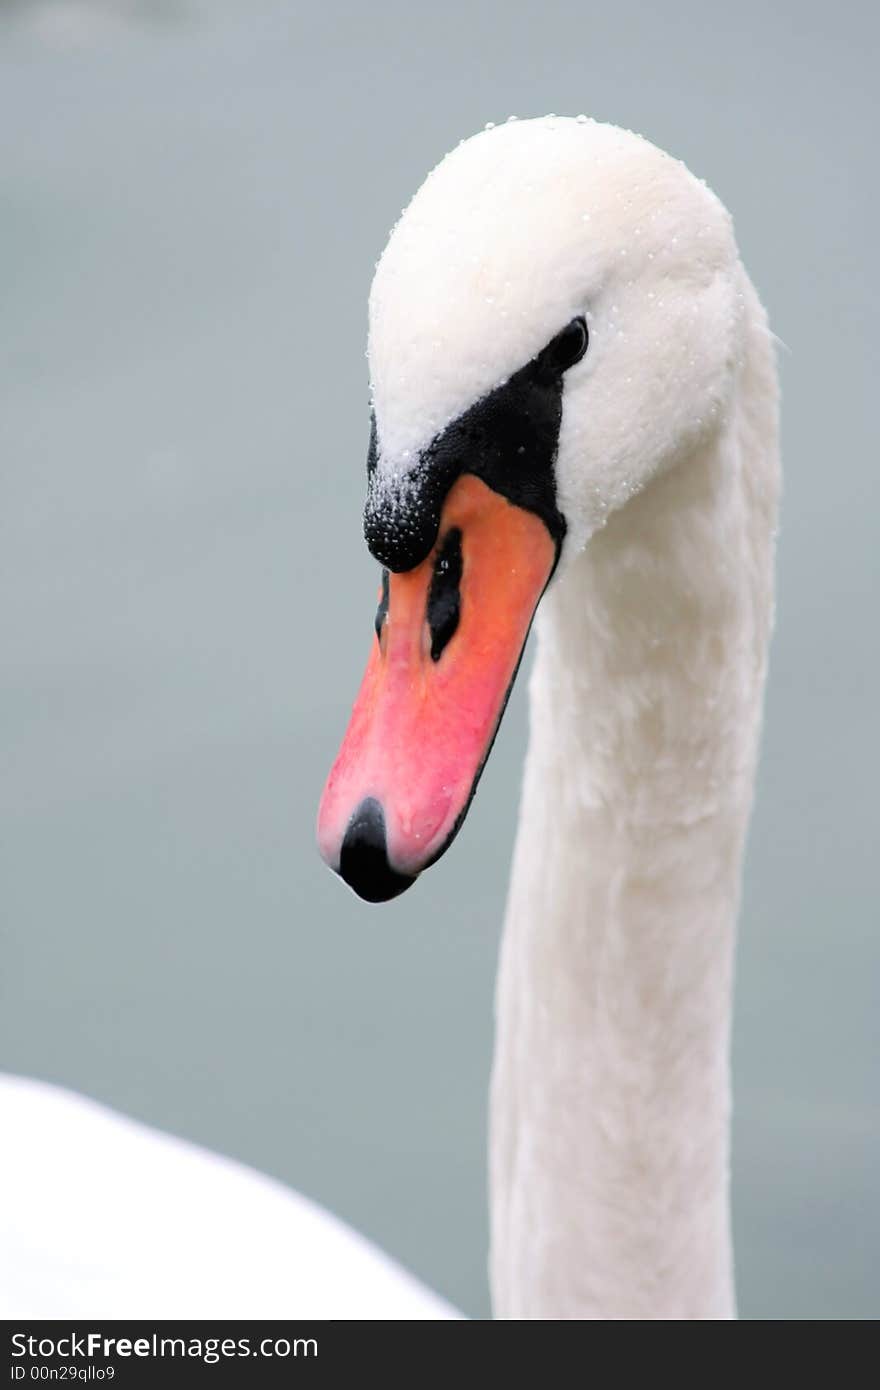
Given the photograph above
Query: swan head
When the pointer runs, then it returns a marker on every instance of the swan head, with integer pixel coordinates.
(554, 321)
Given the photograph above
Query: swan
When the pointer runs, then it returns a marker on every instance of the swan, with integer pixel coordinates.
(103, 1217)
(574, 420)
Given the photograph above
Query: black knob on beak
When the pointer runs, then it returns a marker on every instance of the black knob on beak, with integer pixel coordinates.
(363, 859)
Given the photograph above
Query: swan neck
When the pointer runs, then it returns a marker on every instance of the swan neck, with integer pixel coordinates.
(611, 1097)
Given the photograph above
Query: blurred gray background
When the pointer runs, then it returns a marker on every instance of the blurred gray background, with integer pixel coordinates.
(193, 197)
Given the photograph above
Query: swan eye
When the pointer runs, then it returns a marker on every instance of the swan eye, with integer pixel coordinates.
(566, 348)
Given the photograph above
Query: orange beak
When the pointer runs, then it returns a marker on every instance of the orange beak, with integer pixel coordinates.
(450, 634)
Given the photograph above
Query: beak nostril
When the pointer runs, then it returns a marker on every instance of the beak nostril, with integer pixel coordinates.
(444, 596)
(382, 610)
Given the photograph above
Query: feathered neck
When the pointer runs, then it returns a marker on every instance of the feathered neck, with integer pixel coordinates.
(610, 1095)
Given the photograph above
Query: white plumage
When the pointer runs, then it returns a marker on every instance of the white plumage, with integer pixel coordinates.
(103, 1217)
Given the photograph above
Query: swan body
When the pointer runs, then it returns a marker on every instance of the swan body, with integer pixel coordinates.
(106, 1218)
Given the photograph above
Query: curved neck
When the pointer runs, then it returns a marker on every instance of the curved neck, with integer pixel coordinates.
(610, 1094)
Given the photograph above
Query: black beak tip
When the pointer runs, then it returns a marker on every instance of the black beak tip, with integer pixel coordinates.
(363, 859)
